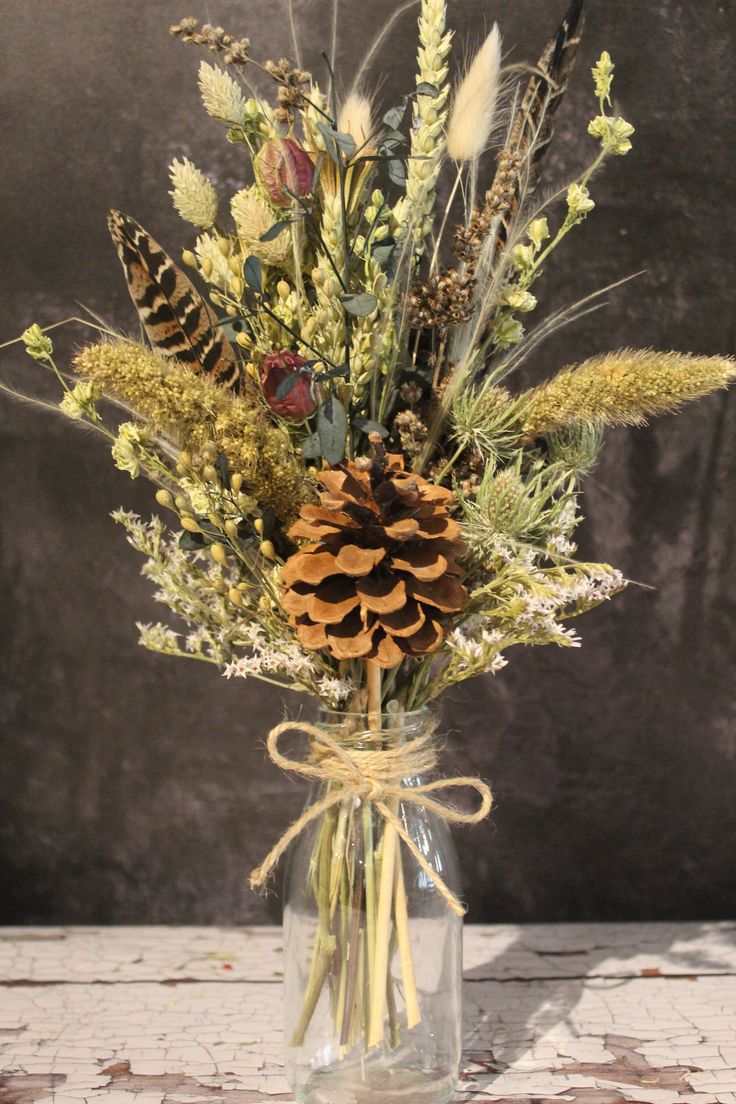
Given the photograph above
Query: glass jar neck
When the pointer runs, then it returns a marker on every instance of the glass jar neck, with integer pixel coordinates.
(359, 730)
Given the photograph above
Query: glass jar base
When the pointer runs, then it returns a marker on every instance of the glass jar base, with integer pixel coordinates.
(376, 1086)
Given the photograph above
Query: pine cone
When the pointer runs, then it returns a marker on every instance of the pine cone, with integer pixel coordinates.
(380, 580)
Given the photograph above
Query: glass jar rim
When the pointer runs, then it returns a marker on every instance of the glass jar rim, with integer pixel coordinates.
(404, 715)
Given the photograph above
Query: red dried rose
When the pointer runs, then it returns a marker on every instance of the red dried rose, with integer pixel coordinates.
(284, 169)
(299, 401)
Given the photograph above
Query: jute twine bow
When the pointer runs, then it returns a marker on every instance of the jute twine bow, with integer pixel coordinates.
(376, 776)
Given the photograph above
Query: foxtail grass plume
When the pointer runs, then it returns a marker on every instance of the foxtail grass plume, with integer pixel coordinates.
(355, 119)
(622, 388)
(474, 106)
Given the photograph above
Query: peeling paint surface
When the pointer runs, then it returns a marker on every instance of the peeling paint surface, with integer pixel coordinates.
(585, 1013)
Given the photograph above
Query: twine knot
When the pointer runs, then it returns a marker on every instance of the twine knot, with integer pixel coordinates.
(376, 775)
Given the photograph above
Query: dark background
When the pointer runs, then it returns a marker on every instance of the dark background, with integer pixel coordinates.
(136, 788)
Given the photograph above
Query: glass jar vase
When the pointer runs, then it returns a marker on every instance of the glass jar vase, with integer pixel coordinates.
(372, 947)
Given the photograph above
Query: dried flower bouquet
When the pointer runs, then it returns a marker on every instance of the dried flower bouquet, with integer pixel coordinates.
(359, 504)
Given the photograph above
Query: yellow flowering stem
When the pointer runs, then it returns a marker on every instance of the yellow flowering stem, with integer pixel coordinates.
(622, 388)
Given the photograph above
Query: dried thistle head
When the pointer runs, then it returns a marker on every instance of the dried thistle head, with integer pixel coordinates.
(485, 419)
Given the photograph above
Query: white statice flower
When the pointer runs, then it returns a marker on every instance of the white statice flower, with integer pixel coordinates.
(131, 440)
(193, 194)
(212, 264)
(474, 649)
(157, 638)
(332, 690)
(559, 541)
(82, 400)
(198, 640)
(221, 95)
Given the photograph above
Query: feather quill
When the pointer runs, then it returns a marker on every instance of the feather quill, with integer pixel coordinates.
(173, 313)
(532, 127)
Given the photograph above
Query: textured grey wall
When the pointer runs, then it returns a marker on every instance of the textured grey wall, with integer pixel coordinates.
(137, 789)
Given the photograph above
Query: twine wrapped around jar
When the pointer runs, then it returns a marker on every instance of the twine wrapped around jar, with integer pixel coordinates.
(375, 775)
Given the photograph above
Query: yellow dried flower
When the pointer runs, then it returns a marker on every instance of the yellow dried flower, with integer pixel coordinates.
(613, 133)
(81, 401)
(37, 344)
(579, 202)
(622, 388)
(603, 76)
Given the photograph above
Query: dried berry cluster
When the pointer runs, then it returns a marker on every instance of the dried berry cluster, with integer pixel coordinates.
(234, 51)
(291, 81)
(442, 300)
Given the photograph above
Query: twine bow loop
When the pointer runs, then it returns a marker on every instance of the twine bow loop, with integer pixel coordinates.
(376, 775)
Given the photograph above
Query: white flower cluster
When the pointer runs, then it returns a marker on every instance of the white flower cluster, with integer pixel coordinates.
(560, 532)
(475, 649)
(284, 659)
(540, 608)
(158, 637)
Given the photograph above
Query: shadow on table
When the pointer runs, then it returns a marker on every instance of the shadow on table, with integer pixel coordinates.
(518, 1009)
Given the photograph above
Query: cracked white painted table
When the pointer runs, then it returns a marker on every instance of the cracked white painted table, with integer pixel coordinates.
(586, 1013)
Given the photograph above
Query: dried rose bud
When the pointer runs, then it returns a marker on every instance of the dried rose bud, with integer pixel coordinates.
(299, 401)
(284, 170)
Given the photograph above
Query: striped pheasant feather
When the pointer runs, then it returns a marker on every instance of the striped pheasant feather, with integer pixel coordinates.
(172, 311)
(533, 124)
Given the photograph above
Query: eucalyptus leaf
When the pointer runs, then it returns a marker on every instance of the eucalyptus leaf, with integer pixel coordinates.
(383, 249)
(332, 428)
(193, 542)
(346, 142)
(395, 114)
(367, 425)
(231, 327)
(224, 470)
(311, 447)
(286, 385)
(253, 273)
(275, 230)
(361, 304)
(268, 517)
(397, 172)
(341, 371)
